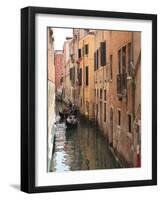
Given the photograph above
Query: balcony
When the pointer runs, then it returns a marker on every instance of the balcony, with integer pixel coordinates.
(122, 86)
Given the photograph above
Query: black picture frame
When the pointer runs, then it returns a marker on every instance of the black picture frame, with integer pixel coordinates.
(28, 98)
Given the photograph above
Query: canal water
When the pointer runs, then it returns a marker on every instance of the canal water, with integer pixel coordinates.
(82, 148)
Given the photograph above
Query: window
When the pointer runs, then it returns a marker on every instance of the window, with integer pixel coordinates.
(119, 117)
(61, 80)
(70, 73)
(122, 74)
(94, 61)
(97, 63)
(129, 59)
(77, 72)
(96, 110)
(97, 93)
(129, 123)
(100, 93)
(97, 58)
(79, 53)
(80, 76)
(82, 51)
(103, 53)
(110, 67)
(105, 98)
(86, 75)
(104, 112)
(86, 49)
(119, 61)
(73, 75)
(124, 59)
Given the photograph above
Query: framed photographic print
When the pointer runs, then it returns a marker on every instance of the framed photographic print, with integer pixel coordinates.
(88, 99)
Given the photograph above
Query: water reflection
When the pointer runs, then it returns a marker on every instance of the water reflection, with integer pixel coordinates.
(83, 148)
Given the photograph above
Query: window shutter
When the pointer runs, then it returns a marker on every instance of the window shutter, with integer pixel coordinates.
(94, 61)
(80, 76)
(82, 51)
(86, 75)
(70, 73)
(73, 75)
(103, 53)
(97, 58)
(86, 49)
(79, 53)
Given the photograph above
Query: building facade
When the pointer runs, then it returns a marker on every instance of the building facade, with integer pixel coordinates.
(120, 96)
(101, 83)
(86, 74)
(51, 94)
(75, 68)
(116, 55)
(58, 59)
(137, 98)
(67, 87)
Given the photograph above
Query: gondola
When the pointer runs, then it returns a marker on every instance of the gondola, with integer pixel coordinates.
(70, 117)
(71, 121)
(64, 115)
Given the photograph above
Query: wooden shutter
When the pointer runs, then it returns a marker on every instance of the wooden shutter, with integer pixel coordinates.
(103, 53)
(86, 49)
(86, 75)
(79, 53)
(80, 76)
(97, 58)
(94, 61)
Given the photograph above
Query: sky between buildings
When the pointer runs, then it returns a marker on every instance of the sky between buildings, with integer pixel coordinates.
(60, 35)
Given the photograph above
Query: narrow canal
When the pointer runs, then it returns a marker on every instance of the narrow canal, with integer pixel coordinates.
(82, 148)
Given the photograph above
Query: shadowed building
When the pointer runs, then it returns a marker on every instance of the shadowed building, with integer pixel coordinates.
(67, 87)
(58, 71)
(51, 94)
